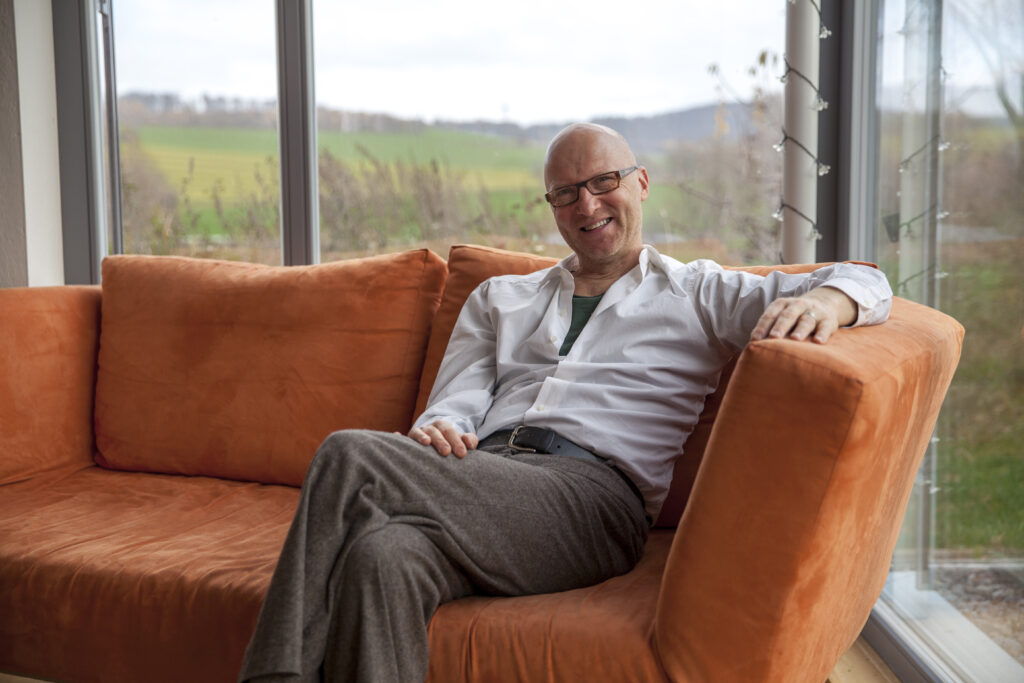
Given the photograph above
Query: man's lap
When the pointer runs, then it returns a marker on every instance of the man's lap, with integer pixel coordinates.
(515, 523)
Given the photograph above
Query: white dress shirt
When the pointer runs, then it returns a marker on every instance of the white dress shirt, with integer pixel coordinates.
(634, 383)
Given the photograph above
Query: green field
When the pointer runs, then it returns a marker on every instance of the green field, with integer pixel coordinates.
(377, 190)
(232, 155)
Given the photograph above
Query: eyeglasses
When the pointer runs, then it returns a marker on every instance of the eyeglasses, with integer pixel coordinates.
(599, 184)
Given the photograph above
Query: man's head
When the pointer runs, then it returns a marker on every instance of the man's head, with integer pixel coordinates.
(602, 229)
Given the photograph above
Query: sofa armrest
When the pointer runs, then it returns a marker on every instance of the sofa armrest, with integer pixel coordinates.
(48, 344)
(787, 538)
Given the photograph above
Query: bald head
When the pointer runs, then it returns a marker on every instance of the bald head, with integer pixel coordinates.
(601, 223)
(579, 142)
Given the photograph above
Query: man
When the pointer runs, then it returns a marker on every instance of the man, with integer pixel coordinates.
(564, 396)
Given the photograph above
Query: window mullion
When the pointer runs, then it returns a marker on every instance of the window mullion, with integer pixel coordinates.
(79, 140)
(300, 232)
(112, 138)
(857, 175)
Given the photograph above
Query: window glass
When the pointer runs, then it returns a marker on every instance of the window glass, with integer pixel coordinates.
(197, 120)
(951, 235)
(433, 119)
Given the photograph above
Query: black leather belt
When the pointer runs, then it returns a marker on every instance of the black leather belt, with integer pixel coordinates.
(536, 440)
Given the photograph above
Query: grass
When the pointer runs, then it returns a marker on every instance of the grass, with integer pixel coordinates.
(461, 151)
(980, 502)
(208, 163)
(230, 156)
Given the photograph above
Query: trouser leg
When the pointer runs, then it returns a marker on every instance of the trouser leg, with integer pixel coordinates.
(506, 525)
(392, 581)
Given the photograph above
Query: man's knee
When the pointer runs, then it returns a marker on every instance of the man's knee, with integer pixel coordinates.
(389, 556)
(347, 447)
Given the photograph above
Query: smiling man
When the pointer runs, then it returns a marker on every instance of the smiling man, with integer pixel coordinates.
(564, 396)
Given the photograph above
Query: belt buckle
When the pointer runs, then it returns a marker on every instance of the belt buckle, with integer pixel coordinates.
(512, 441)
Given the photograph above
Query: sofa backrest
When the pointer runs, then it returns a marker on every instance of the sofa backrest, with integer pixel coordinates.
(48, 339)
(239, 371)
(470, 265)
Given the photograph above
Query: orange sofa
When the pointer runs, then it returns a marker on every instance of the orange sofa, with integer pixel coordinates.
(155, 431)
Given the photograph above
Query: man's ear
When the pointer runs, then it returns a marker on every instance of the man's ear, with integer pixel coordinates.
(644, 182)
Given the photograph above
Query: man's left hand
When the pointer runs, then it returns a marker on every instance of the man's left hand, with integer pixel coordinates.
(815, 315)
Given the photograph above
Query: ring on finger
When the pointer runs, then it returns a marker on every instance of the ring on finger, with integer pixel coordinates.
(811, 315)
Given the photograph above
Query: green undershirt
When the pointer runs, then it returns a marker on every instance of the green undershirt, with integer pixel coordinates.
(582, 308)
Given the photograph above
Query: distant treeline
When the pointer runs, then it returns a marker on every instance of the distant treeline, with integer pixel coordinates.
(654, 134)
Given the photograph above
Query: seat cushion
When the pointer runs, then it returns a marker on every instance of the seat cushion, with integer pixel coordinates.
(598, 633)
(113, 577)
(239, 370)
(116, 577)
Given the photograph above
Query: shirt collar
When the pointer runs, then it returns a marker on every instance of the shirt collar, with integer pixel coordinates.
(648, 257)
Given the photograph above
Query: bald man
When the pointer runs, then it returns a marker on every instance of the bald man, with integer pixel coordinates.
(564, 397)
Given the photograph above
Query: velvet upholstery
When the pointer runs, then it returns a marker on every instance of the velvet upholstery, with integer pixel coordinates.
(110, 576)
(808, 458)
(48, 338)
(241, 370)
(806, 477)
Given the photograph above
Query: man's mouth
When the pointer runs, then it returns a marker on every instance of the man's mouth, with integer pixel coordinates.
(595, 226)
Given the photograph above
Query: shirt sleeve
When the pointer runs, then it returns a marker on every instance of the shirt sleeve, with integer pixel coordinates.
(464, 388)
(729, 303)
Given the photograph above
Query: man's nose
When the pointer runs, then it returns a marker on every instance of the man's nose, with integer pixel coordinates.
(587, 202)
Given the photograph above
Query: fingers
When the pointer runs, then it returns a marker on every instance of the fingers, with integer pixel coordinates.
(798, 318)
(445, 438)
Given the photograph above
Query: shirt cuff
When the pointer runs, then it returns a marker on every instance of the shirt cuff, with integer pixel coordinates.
(871, 308)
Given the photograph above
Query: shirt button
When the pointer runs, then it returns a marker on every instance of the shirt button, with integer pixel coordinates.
(540, 409)
(554, 339)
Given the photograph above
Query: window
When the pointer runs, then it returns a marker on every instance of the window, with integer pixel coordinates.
(197, 114)
(433, 119)
(432, 128)
(949, 234)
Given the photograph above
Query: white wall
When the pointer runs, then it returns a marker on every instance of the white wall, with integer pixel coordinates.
(33, 23)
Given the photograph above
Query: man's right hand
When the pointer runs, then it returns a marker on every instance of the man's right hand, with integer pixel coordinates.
(445, 438)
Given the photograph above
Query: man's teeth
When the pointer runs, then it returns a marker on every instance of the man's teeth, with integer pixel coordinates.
(595, 226)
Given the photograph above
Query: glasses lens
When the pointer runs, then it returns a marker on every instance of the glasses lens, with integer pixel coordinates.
(564, 195)
(603, 183)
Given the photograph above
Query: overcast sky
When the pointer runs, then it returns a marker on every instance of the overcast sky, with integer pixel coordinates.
(527, 60)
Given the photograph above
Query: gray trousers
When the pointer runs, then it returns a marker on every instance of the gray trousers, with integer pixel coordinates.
(386, 530)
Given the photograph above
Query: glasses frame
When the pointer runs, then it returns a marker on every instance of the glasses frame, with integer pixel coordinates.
(621, 173)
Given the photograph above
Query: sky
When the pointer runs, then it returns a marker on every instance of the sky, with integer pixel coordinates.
(527, 61)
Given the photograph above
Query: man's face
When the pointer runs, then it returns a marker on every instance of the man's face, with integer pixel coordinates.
(603, 230)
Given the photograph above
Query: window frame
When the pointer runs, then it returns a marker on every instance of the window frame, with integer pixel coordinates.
(79, 132)
(83, 182)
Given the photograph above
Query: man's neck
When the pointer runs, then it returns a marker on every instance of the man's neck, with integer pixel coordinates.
(591, 280)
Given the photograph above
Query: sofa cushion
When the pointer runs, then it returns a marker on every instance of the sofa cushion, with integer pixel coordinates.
(112, 577)
(48, 338)
(469, 265)
(597, 633)
(239, 370)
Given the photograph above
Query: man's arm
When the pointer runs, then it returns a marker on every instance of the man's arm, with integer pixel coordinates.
(819, 312)
(738, 307)
(463, 390)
